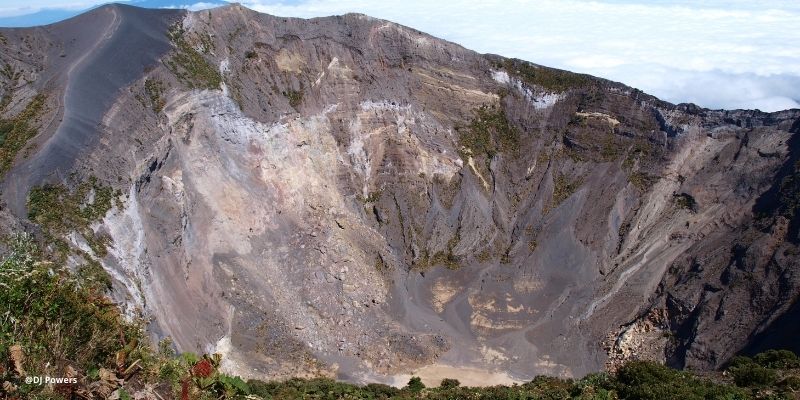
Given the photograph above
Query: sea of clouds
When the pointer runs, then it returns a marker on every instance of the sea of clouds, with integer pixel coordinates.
(718, 54)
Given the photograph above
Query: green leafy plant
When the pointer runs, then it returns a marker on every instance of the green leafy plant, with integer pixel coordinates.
(684, 201)
(563, 188)
(155, 94)
(15, 132)
(189, 65)
(295, 97)
(60, 210)
(551, 79)
(488, 133)
(415, 384)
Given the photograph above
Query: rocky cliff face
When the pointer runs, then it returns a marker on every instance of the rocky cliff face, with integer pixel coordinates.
(346, 196)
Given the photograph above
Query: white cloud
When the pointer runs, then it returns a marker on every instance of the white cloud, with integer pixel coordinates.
(716, 53)
(196, 6)
(13, 8)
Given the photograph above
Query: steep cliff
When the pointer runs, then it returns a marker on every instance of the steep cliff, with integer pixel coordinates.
(346, 196)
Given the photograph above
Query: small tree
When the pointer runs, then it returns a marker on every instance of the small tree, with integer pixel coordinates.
(448, 383)
(415, 384)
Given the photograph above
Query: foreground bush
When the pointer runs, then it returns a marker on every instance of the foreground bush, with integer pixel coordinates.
(53, 322)
(50, 323)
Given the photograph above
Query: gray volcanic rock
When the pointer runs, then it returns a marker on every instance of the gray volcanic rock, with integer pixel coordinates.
(346, 196)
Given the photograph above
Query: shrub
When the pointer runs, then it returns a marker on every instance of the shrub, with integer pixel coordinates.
(16, 131)
(548, 387)
(295, 97)
(488, 133)
(684, 201)
(59, 211)
(791, 383)
(56, 321)
(783, 359)
(189, 65)
(449, 383)
(753, 375)
(647, 380)
(155, 94)
(563, 187)
(415, 384)
(551, 79)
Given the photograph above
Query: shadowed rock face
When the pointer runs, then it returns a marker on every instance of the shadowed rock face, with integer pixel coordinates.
(354, 198)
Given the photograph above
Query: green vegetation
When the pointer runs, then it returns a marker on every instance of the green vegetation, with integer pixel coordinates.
(592, 139)
(189, 65)
(60, 211)
(9, 72)
(373, 196)
(16, 131)
(487, 134)
(642, 149)
(449, 383)
(415, 384)
(295, 97)
(551, 79)
(766, 370)
(609, 148)
(155, 92)
(647, 380)
(563, 187)
(53, 324)
(206, 43)
(380, 265)
(58, 322)
(641, 180)
(447, 190)
(444, 258)
(635, 380)
(685, 202)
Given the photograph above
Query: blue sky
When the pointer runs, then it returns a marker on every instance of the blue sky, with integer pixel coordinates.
(718, 54)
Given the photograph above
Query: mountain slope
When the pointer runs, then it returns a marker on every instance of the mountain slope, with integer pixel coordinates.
(346, 196)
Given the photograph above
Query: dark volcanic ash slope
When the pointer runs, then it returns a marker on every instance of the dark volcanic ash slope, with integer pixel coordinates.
(351, 197)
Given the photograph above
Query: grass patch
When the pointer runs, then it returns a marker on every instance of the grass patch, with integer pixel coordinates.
(52, 320)
(295, 97)
(551, 79)
(642, 181)
(374, 196)
(16, 131)
(155, 93)
(9, 72)
(189, 65)
(488, 133)
(563, 187)
(445, 258)
(380, 265)
(684, 201)
(642, 149)
(59, 211)
(52, 324)
(647, 380)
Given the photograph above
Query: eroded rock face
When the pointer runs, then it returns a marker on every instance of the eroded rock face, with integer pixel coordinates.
(348, 197)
